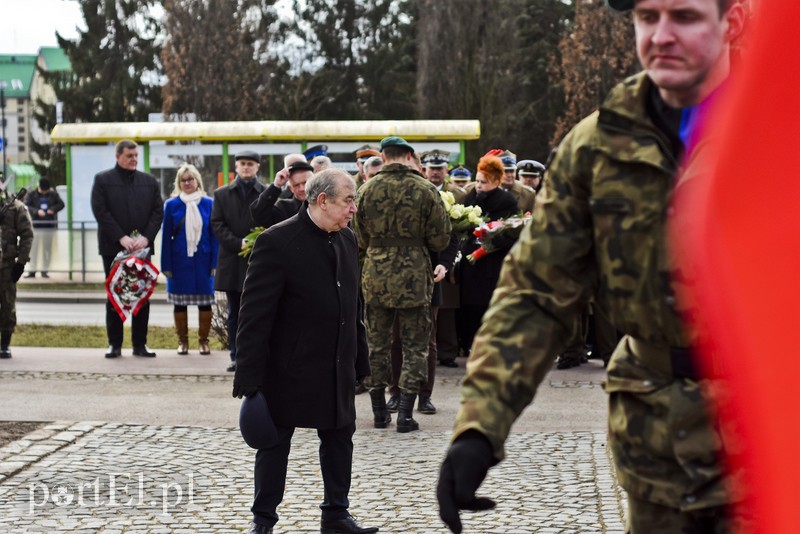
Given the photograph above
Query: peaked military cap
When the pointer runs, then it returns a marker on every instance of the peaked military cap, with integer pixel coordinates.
(394, 140)
(316, 150)
(435, 158)
(530, 167)
(509, 160)
(248, 154)
(461, 173)
(621, 5)
(365, 152)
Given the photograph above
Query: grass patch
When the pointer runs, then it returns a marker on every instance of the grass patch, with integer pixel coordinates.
(80, 336)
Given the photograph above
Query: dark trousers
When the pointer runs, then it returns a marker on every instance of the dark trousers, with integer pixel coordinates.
(446, 335)
(336, 464)
(426, 389)
(114, 323)
(234, 301)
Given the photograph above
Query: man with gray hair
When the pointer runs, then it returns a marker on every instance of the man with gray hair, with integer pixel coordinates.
(305, 268)
(320, 163)
(372, 167)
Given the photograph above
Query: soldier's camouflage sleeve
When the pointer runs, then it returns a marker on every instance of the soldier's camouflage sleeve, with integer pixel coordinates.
(437, 231)
(546, 280)
(24, 232)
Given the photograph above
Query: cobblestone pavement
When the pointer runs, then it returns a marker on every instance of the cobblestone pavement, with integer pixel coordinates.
(148, 447)
(110, 477)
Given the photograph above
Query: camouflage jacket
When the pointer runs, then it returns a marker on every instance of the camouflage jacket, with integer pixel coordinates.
(16, 232)
(600, 231)
(400, 219)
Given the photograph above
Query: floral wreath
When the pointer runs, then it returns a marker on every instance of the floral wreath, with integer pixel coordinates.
(130, 282)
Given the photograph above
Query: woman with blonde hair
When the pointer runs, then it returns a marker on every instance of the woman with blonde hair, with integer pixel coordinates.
(478, 280)
(189, 255)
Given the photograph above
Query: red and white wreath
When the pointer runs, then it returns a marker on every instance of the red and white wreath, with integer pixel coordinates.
(130, 282)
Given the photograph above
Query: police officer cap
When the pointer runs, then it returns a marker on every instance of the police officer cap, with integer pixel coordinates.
(460, 172)
(435, 158)
(300, 166)
(530, 167)
(248, 154)
(509, 160)
(621, 5)
(393, 140)
(365, 152)
(255, 422)
(316, 150)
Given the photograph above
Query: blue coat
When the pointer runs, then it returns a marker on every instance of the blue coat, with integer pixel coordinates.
(190, 276)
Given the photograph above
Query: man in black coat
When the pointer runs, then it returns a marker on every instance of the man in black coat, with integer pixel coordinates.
(231, 222)
(269, 209)
(302, 344)
(128, 207)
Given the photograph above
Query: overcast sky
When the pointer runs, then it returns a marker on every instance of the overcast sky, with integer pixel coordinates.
(26, 25)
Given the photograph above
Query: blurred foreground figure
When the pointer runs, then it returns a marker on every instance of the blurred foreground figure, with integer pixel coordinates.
(600, 233)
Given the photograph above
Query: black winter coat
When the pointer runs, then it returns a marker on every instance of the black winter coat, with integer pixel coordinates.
(231, 222)
(300, 337)
(35, 200)
(124, 201)
(271, 207)
(479, 280)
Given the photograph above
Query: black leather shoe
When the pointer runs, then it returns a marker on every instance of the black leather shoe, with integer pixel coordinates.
(259, 529)
(5, 354)
(425, 406)
(144, 352)
(231, 368)
(45, 275)
(114, 352)
(30, 275)
(347, 525)
(449, 362)
(393, 403)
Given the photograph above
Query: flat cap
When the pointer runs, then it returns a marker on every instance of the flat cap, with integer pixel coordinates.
(300, 166)
(393, 140)
(435, 158)
(248, 154)
(621, 5)
(255, 422)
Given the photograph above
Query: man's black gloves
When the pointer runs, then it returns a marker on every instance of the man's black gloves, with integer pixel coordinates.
(463, 470)
(244, 391)
(17, 271)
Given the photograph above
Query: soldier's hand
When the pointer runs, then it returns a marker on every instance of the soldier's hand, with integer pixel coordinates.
(17, 271)
(244, 391)
(463, 470)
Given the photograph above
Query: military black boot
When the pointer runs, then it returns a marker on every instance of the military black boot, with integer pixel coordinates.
(5, 342)
(394, 402)
(405, 419)
(379, 411)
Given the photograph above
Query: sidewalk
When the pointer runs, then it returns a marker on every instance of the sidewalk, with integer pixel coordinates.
(151, 445)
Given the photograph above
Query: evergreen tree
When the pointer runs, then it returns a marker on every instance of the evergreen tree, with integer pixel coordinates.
(115, 70)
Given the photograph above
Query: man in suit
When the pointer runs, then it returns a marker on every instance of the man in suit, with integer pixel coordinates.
(231, 222)
(302, 343)
(269, 208)
(128, 207)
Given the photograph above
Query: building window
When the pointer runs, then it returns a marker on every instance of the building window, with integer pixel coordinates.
(21, 140)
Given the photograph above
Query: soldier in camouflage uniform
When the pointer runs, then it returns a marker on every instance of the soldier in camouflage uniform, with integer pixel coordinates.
(16, 232)
(600, 231)
(400, 219)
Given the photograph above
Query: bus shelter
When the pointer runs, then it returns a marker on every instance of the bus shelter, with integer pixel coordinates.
(166, 145)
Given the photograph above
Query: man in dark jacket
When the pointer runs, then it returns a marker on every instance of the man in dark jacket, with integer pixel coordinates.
(43, 204)
(129, 209)
(231, 222)
(304, 271)
(270, 209)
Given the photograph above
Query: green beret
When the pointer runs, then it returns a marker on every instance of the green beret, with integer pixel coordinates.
(395, 141)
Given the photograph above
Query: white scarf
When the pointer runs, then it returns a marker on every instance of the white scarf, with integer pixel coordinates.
(193, 222)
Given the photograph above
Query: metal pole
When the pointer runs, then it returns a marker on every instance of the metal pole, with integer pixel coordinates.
(70, 205)
(3, 106)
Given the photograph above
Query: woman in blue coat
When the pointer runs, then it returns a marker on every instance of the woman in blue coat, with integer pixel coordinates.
(189, 255)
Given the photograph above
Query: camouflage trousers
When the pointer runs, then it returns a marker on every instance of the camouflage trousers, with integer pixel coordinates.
(415, 331)
(8, 300)
(650, 518)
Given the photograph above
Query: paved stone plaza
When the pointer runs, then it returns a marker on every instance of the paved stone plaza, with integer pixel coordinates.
(140, 477)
